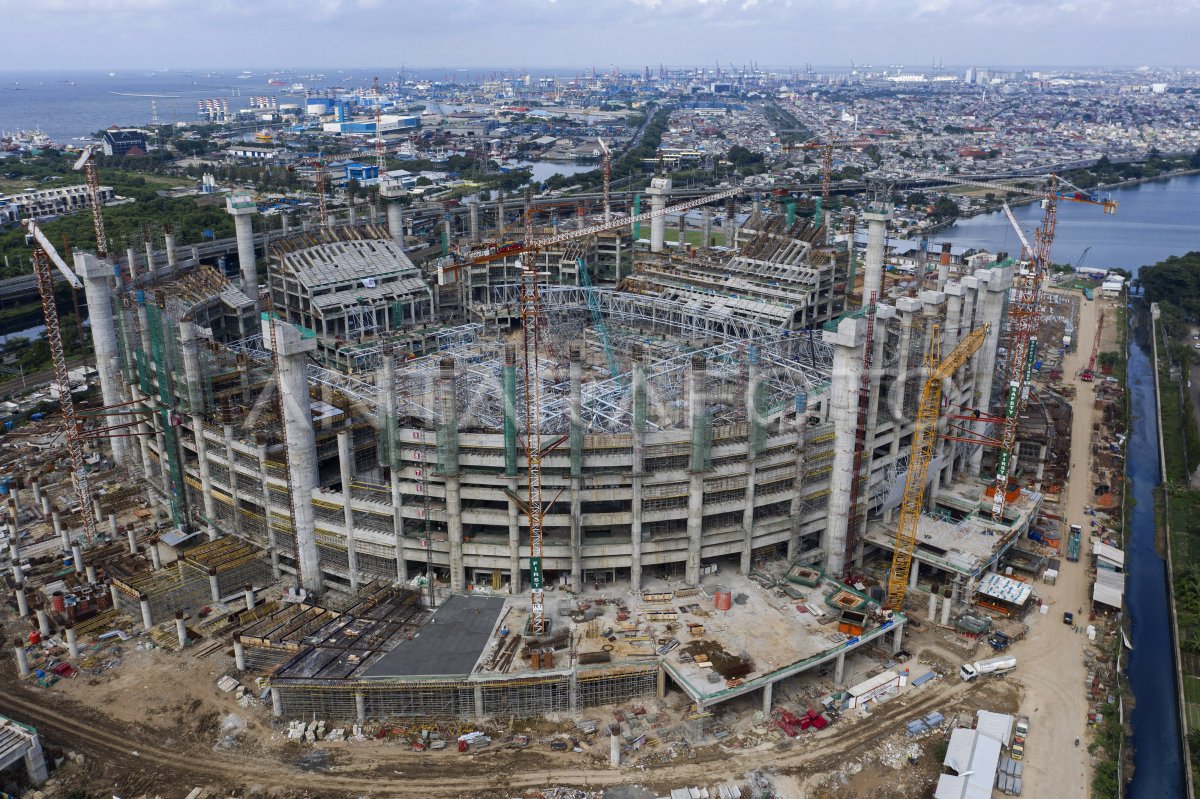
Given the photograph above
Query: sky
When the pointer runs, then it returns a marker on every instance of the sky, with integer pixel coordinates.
(188, 34)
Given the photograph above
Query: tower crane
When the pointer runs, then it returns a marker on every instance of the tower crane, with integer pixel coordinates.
(921, 455)
(318, 163)
(43, 255)
(380, 162)
(531, 323)
(1024, 312)
(92, 178)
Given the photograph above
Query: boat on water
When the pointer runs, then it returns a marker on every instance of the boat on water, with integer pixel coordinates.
(264, 137)
(276, 82)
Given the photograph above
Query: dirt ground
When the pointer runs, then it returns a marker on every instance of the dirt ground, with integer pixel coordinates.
(1051, 664)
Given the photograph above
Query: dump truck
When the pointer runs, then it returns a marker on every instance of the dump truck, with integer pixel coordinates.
(1074, 540)
(995, 666)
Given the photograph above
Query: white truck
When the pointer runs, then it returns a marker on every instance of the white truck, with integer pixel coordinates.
(994, 666)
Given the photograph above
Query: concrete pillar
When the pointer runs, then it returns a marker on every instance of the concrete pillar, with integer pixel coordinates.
(573, 692)
(90, 571)
(946, 612)
(614, 749)
(22, 660)
(767, 692)
(576, 450)
(227, 434)
(155, 558)
(682, 237)
(395, 219)
(194, 393)
(63, 535)
(113, 527)
(45, 505)
(913, 572)
(239, 655)
(77, 558)
(276, 703)
(897, 639)
(96, 275)
(847, 341)
(242, 209)
(729, 232)
(479, 701)
(943, 273)
(72, 642)
(997, 281)
(448, 428)
(147, 618)
(302, 444)
(839, 670)
(473, 220)
(18, 573)
(181, 632)
(22, 601)
(360, 706)
(390, 455)
(172, 255)
(113, 594)
(43, 619)
(345, 461)
(637, 478)
(707, 227)
(214, 587)
(263, 475)
(701, 430)
(131, 537)
(499, 213)
(97, 511)
(149, 245)
(37, 493)
(876, 216)
(908, 308)
(660, 189)
(250, 598)
(933, 608)
(753, 414)
(662, 683)
(131, 261)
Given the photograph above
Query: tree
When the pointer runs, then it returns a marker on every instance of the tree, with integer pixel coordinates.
(945, 208)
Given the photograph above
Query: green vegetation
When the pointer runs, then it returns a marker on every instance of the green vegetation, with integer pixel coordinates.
(1175, 284)
(1106, 747)
(1105, 172)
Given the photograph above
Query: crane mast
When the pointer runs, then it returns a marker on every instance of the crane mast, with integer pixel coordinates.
(921, 454)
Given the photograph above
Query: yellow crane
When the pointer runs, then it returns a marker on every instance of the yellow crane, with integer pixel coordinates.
(921, 455)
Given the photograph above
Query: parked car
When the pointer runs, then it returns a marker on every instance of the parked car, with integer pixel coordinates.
(1068, 618)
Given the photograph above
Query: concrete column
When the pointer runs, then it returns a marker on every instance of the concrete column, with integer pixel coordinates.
(753, 415)
(883, 315)
(77, 558)
(214, 587)
(250, 598)
(147, 618)
(231, 466)
(638, 475)
(43, 619)
(473, 220)
(946, 612)
(302, 445)
(149, 245)
(181, 632)
(701, 436)
(172, 255)
(45, 505)
(730, 234)
(876, 216)
(573, 692)
(707, 227)
(448, 428)
(897, 639)
(345, 456)
(932, 607)
(847, 341)
(113, 527)
(576, 449)
(943, 273)
(22, 601)
(912, 574)
(18, 573)
(954, 302)
(72, 642)
(614, 749)
(276, 703)
(194, 393)
(22, 660)
(242, 209)
(390, 455)
(131, 537)
(767, 694)
(395, 218)
(96, 275)
(499, 213)
(660, 189)
(155, 558)
(908, 308)
(90, 572)
(263, 476)
(37, 493)
(997, 281)
(360, 706)
(682, 237)
(113, 594)
(839, 670)
(239, 655)
(63, 535)
(131, 261)
(662, 683)
(162, 477)
(970, 286)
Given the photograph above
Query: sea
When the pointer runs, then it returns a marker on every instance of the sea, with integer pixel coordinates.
(1153, 221)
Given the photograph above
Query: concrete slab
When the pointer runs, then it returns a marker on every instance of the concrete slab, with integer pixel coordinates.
(448, 646)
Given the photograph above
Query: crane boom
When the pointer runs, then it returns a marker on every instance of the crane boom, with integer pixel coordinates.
(921, 455)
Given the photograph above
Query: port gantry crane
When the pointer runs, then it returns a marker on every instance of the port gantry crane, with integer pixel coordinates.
(921, 455)
(531, 321)
(1024, 314)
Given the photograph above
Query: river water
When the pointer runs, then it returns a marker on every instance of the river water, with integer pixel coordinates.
(1153, 221)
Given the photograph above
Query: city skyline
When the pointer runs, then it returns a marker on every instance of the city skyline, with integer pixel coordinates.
(141, 34)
